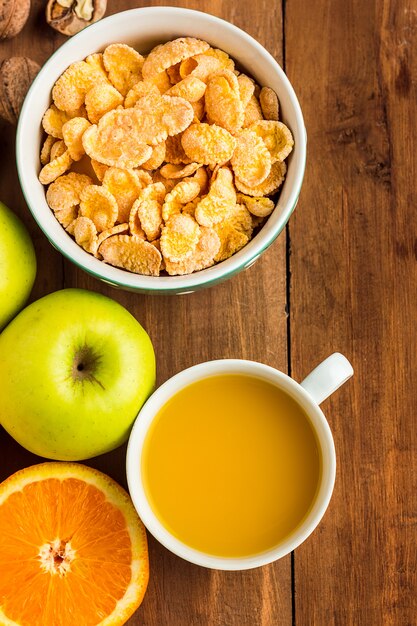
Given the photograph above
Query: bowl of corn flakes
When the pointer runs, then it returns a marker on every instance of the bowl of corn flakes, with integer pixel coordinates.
(161, 150)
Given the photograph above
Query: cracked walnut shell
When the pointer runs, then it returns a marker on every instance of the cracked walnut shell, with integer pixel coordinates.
(70, 16)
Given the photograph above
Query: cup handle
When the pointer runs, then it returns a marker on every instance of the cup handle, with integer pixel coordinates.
(327, 377)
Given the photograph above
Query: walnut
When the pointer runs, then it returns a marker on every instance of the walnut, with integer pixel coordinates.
(13, 16)
(70, 16)
(16, 76)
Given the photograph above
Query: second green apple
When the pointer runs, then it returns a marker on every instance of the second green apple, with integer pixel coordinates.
(17, 265)
(75, 368)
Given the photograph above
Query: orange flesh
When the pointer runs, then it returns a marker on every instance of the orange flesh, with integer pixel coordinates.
(99, 564)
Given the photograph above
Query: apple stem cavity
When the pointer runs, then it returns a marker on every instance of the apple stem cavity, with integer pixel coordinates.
(84, 366)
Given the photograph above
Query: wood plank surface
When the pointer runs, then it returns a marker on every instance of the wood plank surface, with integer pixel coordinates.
(243, 318)
(352, 288)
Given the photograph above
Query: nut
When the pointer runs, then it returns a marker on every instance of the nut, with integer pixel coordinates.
(16, 76)
(13, 16)
(70, 16)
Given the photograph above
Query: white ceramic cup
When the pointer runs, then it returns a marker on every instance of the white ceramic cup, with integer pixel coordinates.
(319, 384)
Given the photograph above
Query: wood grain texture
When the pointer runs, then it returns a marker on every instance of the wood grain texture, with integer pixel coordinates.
(243, 318)
(353, 289)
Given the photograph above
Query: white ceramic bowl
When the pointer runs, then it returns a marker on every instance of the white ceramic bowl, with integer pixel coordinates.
(144, 28)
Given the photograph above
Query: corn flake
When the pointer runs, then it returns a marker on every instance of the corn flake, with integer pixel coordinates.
(85, 234)
(214, 173)
(161, 81)
(208, 144)
(170, 53)
(81, 112)
(181, 194)
(257, 221)
(190, 207)
(67, 216)
(46, 149)
(140, 90)
(200, 66)
(58, 149)
(231, 240)
(55, 168)
(70, 228)
(252, 112)
(96, 62)
(64, 193)
(270, 185)
(157, 157)
(179, 171)
(246, 89)
(135, 226)
(169, 115)
(201, 177)
(124, 66)
(69, 90)
(269, 104)
(179, 237)
(121, 136)
(260, 207)
(149, 209)
(100, 99)
(174, 151)
(119, 229)
(276, 136)
(199, 110)
(251, 160)
(190, 88)
(144, 178)
(169, 183)
(99, 169)
(207, 247)
(174, 73)
(98, 204)
(77, 181)
(217, 205)
(157, 244)
(124, 186)
(63, 196)
(53, 120)
(73, 132)
(240, 218)
(132, 253)
(223, 103)
(116, 140)
(225, 61)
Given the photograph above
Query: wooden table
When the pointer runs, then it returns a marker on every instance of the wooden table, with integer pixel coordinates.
(343, 277)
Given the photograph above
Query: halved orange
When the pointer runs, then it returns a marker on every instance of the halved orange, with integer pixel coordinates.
(73, 551)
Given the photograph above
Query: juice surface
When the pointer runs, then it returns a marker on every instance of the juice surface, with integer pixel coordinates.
(231, 465)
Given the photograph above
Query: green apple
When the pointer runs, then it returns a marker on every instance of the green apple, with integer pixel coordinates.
(17, 265)
(75, 368)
